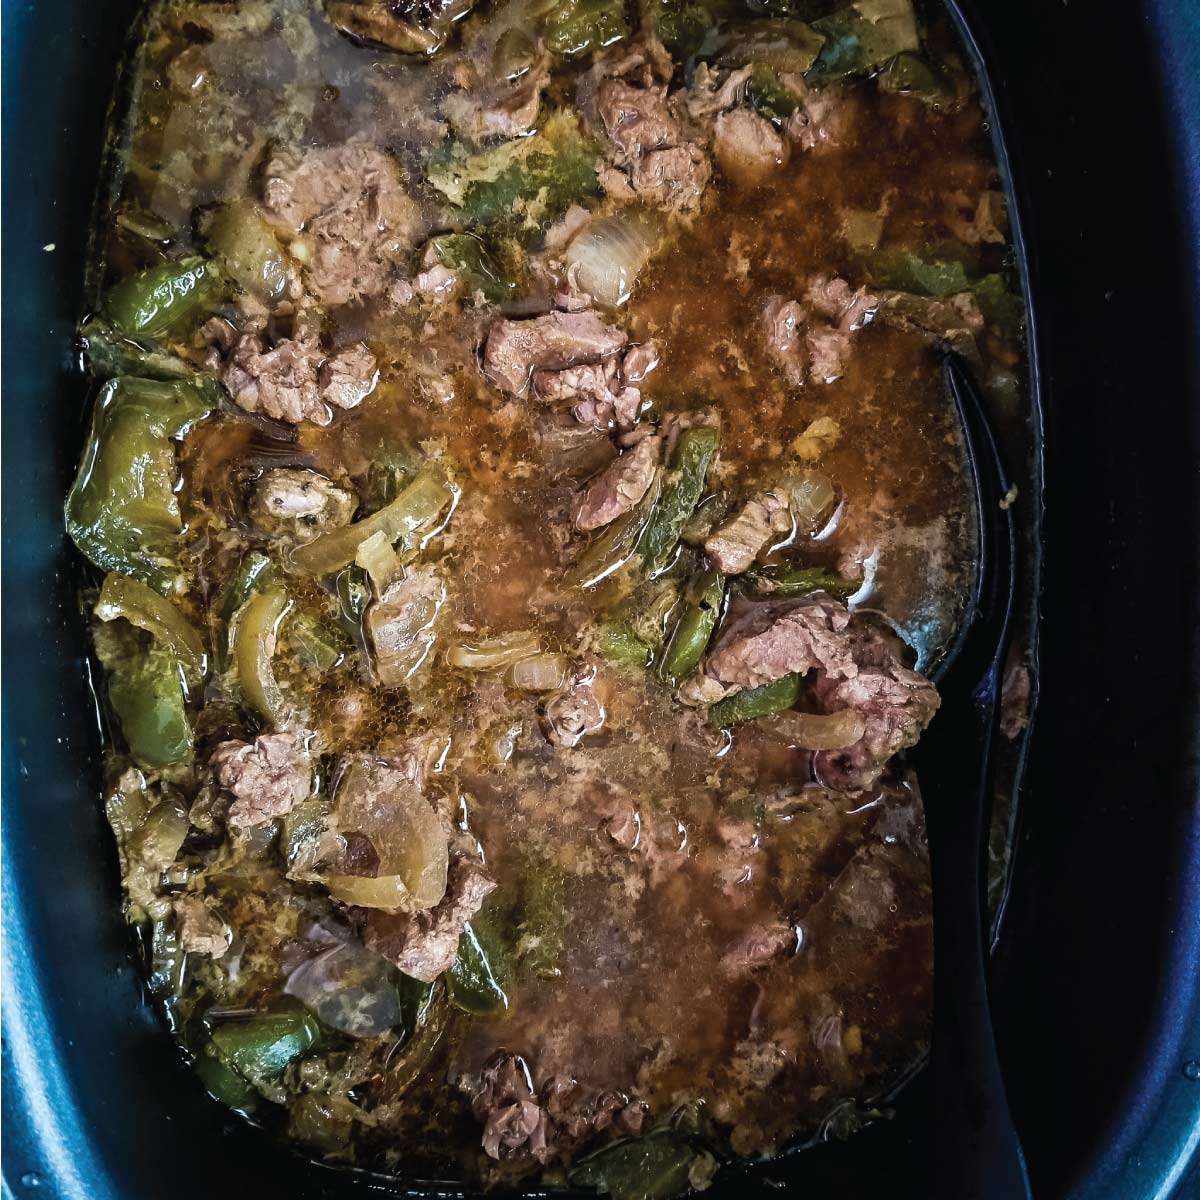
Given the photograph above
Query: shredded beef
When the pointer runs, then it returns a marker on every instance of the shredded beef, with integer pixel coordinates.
(515, 349)
(736, 543)
(267, 778)
(619, 486)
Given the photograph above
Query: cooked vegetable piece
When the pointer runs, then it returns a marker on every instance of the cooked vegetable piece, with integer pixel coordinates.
(658, 1166)
(784, 46)
(409, 26)
(681, 492)
(769, 95)
(574, 27)
(609, 254)
(757, 702)
(146, 693)
(862, 36)
(160, 299)
(818, 731)
(476, 983)
(618, 543)
(318, 642)
(248, 250)
(122, 597)
(789, 580)
(223, 1083)
(110, 356)
(541, 918)
(410, 515)
(259, 1048)
(493, 654)
(543, 672)
(483, 270)
(922, 274)
(256, 633)
(353, 595)
(617, 644)
(547, 171)
(382, 805)
(1001, 307)
(910, 75)
(695, 627)
(122, 510)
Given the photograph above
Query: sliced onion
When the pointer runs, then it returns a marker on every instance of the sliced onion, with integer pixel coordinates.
(255, 635)
(608, 254)
(812, 495)
(493, 653)
(349, 988)
(376, 556)
(542, 673)
(817, 731)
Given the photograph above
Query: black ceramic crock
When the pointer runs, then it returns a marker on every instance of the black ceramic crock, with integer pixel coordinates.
(1097, 975)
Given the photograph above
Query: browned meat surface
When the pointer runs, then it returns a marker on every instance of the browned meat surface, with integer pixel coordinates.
(424, 944)
(299, 504)
(747, 147)
(783, 322)
(295, 380)
(619, 486)
(506, 109)
(895, 703)
(515, 349)
(267, 778)
(773, 640)
(348, 213)
(507, 1105)
(201, 931)
(654, 158)
(736, 543)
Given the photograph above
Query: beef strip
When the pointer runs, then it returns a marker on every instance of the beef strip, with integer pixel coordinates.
(267, 778)
(748, 147)
(895, 703)
(294, 380)
(424, 944)
(735, 544)
(299, 504)
(515, 349)
(348, 212)
(619, 486)
(770, 641)
(507, 109)
(654, 159)
(201, 931)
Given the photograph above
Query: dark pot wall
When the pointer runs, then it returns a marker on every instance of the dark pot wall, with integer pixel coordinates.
(1102, 952)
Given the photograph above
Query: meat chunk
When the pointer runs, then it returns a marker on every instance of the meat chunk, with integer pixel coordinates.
(846, 308)
(294, 380)
(824, 116)
(711, 92)
(783, 325)
(507, 110)
(654, 158)
(424, 944)
(735, 544)
(515, 349)
(594, 390)
(771, 641)
(348, 377)
(299, 504)
(201, 931)
(573, 713)
(759, 946)
(348, 211)
(267, 778)
(400, 624)
(895, 704)
(747, 147)
(504, 1100)
(619, 486)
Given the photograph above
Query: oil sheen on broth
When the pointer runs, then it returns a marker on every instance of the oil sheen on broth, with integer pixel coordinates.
(523, 496)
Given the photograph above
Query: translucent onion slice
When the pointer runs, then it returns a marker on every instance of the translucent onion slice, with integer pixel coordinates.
(609, 254)
(817, 731)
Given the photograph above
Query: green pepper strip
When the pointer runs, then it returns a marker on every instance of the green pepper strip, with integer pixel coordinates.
(757, 702)
(259, 1048)
(694, 629)
(122, 597)
(472, 982)
(415, 509)
(147, 696)
(122, 510)
(158, 299)
(798, 581)
(254, 640)
(680, 495)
